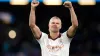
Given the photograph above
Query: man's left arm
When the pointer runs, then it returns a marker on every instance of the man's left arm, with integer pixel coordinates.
(72, 29)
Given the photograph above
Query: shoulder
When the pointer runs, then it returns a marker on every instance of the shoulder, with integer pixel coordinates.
(43, 37)
(43, 34)
(64, 33)
(65, 36)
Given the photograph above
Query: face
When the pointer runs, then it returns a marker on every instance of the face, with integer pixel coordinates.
(54, 24)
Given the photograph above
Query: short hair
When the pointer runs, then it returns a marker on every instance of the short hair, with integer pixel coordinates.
(55, 17)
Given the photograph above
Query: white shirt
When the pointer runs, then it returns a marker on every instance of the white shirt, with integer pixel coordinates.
(58, 47)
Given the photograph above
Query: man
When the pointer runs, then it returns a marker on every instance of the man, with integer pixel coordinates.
(54, 43)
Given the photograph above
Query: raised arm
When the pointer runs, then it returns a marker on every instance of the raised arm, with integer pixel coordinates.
(72, 29)
(32, 20)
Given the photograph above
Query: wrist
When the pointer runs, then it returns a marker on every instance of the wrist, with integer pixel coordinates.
(33, 8)
(71, 8)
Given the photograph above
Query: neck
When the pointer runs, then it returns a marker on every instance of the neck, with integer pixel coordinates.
(54, 35)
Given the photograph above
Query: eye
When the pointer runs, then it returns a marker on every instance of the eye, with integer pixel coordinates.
(57, 23)
(53, 22)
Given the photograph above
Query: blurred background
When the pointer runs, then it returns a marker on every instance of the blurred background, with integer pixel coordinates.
(16, 38)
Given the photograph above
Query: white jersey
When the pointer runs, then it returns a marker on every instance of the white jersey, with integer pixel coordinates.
(58, 47)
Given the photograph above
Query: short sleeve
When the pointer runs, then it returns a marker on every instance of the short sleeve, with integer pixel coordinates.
(42, 37)
(65, 37)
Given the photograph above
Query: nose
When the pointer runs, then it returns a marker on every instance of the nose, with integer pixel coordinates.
(54, 25)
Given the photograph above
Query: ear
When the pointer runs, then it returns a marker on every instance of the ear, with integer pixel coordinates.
(61, 26)
(48, 25)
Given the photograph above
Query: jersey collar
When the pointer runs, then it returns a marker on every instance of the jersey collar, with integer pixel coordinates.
(55, 38)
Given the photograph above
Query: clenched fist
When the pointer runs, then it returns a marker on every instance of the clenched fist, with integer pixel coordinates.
(68, 4)
(34, 3)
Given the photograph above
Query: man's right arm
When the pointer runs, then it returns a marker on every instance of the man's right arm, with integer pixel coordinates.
(35, 29)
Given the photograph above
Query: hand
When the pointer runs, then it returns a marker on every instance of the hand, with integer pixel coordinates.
(68, 4)
(34, 3)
